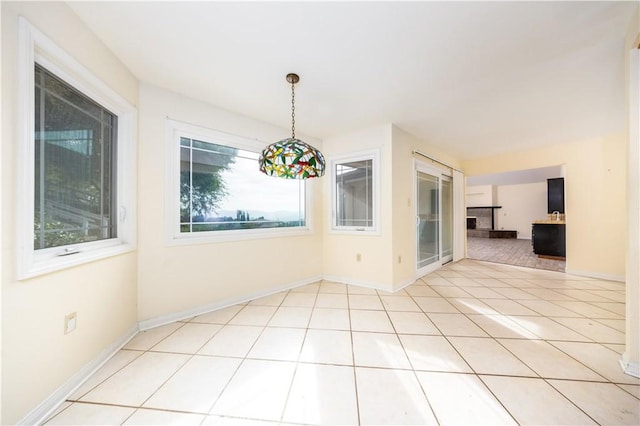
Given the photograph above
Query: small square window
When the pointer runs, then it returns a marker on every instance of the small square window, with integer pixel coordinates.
(355, 192)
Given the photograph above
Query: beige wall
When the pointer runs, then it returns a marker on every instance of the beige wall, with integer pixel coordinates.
(595, 198)
(37, 358)
(403, 201)
(403, 256)
(388, 260)
(481, 196)
(631, 357)
(521, 205)
(183, 278)
(340, 249)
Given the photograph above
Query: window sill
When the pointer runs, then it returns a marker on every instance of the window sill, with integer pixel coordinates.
(236, 235)
(47, 264)
(354, 231)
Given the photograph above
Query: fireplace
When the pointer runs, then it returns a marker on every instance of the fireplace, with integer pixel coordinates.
(484, 217)
(471, 222)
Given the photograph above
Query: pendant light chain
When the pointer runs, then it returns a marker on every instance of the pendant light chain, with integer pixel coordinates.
(293, 111)
(292, 158)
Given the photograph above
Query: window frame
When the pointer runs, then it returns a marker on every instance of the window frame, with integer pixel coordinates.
(35, 47)
(176, 129)
(374, 229)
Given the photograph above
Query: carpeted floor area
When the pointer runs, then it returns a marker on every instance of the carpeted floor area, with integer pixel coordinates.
(510, 252)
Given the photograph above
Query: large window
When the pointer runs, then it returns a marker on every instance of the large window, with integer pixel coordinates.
(76, 161)
(355, 182)
(223, 194)
(75, 145)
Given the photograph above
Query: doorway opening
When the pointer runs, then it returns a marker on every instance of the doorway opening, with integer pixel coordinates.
(508, 212)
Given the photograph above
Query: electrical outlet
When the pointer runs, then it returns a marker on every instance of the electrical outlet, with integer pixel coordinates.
(358, 257)
(70, 322)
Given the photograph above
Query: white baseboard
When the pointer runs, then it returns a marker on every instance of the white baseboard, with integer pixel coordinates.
(629, 367)
(598, 275)
(42, 412)
(360, 283)
(199, 310)
(46, 408)
(371, 284)
(404, 284)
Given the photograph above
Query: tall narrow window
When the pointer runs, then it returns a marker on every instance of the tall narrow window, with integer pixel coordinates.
(76, 163)
(355, 193)
(75, 160)
(354, 202)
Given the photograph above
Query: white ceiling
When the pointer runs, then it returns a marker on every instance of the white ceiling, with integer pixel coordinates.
(517, 176)
(475, 78)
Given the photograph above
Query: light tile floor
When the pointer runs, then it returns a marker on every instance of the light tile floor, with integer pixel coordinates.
(473, 343)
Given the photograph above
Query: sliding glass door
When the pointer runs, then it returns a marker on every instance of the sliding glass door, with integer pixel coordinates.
(428, 219)
(446, 218)
(434, 218)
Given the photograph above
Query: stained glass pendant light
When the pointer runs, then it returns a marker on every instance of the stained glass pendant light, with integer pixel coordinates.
(292, 158)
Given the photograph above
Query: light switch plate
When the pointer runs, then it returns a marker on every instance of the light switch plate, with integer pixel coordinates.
(70, 322)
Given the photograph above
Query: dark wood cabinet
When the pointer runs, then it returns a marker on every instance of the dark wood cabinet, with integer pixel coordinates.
(549, 239)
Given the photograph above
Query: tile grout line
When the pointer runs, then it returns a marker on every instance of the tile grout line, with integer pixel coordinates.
(467, 273)
(185, 363)
(295, 370)
(569, 399)
(148, 350)
(353, 358)
(520, 360)
(474, 371)
(244, 358)
(404, 350)
(548, 341)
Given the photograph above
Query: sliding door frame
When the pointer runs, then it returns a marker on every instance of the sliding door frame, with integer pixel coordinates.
(422, 167)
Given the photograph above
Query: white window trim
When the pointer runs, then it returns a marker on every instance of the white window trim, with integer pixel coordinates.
(373, 155)
(174, 131)
(35, 47)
